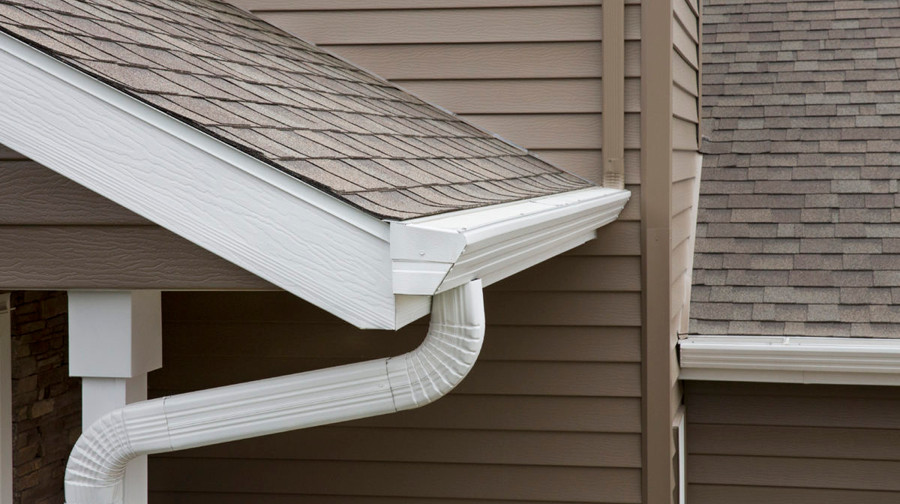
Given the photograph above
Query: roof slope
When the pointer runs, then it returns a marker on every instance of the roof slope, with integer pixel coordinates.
(799, 226)
(287, 103)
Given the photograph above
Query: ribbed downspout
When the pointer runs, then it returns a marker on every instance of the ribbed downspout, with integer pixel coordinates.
(96, 468)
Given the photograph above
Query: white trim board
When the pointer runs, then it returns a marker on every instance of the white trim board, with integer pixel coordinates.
(369, 272)
(275, 226)
(850, 361)
(679, 425)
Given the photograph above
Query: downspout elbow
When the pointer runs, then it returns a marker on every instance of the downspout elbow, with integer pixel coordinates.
(95, 472)
(448, 353)
(96, 468)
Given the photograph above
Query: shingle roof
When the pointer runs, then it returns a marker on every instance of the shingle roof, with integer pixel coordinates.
(286, 102)
(799, 225)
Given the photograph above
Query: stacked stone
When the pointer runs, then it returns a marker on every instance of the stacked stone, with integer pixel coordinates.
(46, 402)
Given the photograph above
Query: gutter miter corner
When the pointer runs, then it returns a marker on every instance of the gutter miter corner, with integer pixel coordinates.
(96, 469)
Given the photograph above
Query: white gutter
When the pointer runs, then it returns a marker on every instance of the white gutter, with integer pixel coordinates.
(437, 253)
(96, 467)
(852, 361)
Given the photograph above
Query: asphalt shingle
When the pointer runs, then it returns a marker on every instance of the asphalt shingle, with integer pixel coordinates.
(799, 202)
(283, 100)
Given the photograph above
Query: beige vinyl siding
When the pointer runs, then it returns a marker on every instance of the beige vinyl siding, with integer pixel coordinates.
(530, 87)
(686, 146)
(443, 26)
(54, 234)
(685, 133)
(751, 443)
(263, 6)
(552, 411)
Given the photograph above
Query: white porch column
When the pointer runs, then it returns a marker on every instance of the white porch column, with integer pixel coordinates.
(6, 451)
(115, 339)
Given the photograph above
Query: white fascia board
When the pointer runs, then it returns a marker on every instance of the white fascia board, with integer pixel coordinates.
(267, 222)
(434, 254)
(856, 361)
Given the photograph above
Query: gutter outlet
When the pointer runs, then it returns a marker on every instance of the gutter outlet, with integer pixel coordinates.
(96, 469)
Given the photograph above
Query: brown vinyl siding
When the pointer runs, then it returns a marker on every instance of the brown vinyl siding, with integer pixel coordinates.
(33, 195)
(552, 411)
(54, 234)
(544, 405)
(785, 443)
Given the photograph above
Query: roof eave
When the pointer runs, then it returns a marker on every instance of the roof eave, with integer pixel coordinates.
(364, 270)
(274, 226)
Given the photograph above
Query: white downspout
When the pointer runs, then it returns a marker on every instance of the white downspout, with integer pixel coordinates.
(96, 467)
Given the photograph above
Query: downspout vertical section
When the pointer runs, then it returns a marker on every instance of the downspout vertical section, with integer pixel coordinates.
(96, 467)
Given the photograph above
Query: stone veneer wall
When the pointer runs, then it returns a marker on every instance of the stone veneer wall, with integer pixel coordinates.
(46, 402)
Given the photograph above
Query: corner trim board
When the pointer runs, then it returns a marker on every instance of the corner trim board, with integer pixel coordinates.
(851, 361)
(657, 339)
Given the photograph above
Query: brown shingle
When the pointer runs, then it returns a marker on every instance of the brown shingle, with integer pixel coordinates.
(283, 100)
(314, 173)
(206, 51)
(53, 43)
(397, 200)
(351, 173)
(803, 107)
(393, 178)
(865, 296)
(215, 114)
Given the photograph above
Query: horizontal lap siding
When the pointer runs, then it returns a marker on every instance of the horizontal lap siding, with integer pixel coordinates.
(55, 234)
(552, 410)
(784, 443)
(549, 413)
(263, 7)
(685, 144)
(685, 134)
